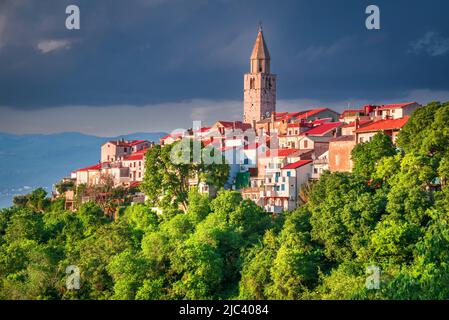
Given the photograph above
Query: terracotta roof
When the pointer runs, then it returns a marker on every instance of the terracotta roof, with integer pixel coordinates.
(386, 124)
(204, 129)
(352, 111)
(281, 152)
(135, 184)
(206, 143)
(322, 129)
(361, 122)
(134, 157)
(395, 105)
(251, 190)
(288, 115)
(235, 124)
(136, 142)
(310, 113)
(94, 167)
(173, 135)
(126, 143)
(321, 121)
(297, 164)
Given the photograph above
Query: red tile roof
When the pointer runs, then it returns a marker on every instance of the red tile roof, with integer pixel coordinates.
(352, 124)
(287, 115)
(352, 111)
(281, 152)
(139, 155)
(386, 124)
(323, 129)
(127, 143)
(135, 184)
(204, 129)
(134, 157)
(297, 164)
(94, 167)
(321, 121)
(310, 113)
(235, 124)
(206, 143)
(136, 142)
(173, 135)
(396, 105)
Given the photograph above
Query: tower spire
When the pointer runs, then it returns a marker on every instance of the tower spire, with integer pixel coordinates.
(259, 84)
(260, 57)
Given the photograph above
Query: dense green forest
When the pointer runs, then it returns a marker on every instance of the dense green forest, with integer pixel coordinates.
(391, 212)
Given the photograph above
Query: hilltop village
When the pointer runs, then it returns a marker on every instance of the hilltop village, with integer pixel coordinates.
(271, 154)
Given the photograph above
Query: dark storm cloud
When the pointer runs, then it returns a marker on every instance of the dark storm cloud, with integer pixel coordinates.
(151, 52)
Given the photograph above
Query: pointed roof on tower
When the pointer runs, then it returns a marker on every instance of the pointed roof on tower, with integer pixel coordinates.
(260, 50)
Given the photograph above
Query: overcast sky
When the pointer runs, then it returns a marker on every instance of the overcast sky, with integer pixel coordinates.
(152, 65)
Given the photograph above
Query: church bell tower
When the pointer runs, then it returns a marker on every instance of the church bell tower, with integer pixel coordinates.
(259, 98)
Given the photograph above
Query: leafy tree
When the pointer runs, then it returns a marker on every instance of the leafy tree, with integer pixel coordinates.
(366, 155)
(256, 269)
(298, 260)
(344, 211)
(200, 269)
(140, 218)
(25, 224)
(128, 270)
(166, 181)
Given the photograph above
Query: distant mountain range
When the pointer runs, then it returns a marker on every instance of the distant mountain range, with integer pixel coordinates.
(36, 160)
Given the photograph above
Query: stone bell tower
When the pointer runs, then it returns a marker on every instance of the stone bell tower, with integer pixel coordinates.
(259, 98)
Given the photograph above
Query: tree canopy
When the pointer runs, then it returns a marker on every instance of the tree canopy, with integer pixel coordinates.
(390, 214)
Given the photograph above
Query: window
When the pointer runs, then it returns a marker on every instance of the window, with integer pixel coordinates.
(289, 174)
(252, 83)
(283, 187)
(306, 144)
(125, 149)
(246, 161)
(315, 170)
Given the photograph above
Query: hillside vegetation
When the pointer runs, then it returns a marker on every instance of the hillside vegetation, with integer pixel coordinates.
(391, 213)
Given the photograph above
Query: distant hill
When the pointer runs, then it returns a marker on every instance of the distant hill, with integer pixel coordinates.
(30, 161)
